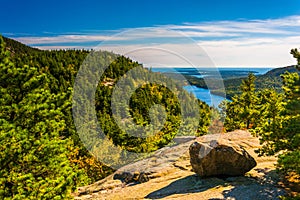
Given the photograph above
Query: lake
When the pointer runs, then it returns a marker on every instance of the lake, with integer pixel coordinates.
(204, 94)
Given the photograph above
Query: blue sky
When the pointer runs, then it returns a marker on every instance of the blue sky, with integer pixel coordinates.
(229, 31)
(57, 16)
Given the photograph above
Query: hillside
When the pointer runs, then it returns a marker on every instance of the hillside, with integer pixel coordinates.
(278, 71)
(18, 48)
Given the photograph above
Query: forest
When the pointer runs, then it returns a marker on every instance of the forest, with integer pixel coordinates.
(45, 156)
(42, 155)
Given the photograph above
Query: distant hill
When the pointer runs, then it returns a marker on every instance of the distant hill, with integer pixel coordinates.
(281, 70)
(271, 79)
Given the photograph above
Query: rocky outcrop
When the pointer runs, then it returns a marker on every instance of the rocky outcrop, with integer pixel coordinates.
(170, 176)
(162, 162)
(152, 167)
(220, 157)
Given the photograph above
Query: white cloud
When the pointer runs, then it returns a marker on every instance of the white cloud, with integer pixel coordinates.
(250, 43)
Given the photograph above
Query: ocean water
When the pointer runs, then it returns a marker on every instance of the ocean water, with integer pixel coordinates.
(204, 94)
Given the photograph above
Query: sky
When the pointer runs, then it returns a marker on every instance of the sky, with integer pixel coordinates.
(231, 33)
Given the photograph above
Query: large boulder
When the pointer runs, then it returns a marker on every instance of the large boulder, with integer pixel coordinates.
(220, 157)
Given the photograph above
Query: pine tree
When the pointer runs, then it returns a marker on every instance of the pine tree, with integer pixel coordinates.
(296, 54)
(248, 101)
(289, 139)
(270, 121)
(242, 112)
(33, 157)
(280, 132)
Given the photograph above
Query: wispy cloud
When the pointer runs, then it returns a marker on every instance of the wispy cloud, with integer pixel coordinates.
(229, 43)
(63, 39)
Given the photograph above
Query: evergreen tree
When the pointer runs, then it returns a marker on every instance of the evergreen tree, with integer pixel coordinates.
(248, 102)
(270, 121)
(241, 112)
(296, 54)
(280, 135)
(34, 160)
(289, 139)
